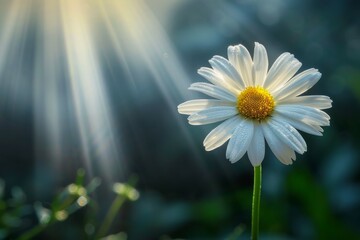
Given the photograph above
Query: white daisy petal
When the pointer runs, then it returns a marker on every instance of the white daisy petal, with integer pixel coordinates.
(315, 101)
(312, 115)
(302, 125)
(212, 76)
(213, 91)
(216, 78)
(232, 52)
(284, 77)
(288, 135)
(256, 151)
(281, 71)
(298, 85)
(240, 58)
(279, 64)
(212, 115)
(234, 59)
(219, 135)
(260, 66)
(281, 151)
(227, 70)
(192, 106)
(240, 141)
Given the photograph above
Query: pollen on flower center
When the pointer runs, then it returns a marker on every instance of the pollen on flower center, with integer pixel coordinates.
(255, 102)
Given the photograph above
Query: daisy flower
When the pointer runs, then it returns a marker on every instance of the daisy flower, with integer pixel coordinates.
(255, 104)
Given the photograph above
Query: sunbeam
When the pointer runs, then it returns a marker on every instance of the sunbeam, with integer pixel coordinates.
(49, 97)
(144, 50)
(15, 24)
(73, 100)
(73, 118)
(93, 116)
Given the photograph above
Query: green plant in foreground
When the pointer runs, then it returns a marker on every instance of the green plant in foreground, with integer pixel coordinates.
(72, 198)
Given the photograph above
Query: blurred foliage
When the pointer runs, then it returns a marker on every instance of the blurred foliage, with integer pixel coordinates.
(303, 211)
(313, 201)
(16, 216)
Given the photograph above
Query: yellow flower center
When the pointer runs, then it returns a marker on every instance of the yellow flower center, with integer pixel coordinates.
(255, 102)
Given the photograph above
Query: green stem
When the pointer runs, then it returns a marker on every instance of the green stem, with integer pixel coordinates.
(256, 203)
(113, 210)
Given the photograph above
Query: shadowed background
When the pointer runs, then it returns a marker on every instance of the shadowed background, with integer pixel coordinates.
(96, 84)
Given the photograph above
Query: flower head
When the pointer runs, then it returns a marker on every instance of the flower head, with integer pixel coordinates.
(255, 104)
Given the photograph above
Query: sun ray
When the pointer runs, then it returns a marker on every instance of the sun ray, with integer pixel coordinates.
(13, 38)
(73, 98)
(92, 112)
(143, 46)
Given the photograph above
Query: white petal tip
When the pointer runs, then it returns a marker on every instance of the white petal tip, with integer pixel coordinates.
(180, 109)
(232, 161)
(288, 163)
(259, 45)
(207, 147)
(231, 48)
(194, 123)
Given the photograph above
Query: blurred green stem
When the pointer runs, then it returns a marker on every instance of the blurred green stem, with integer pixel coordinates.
(114, 209)
(33, 232)
(256, 203)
